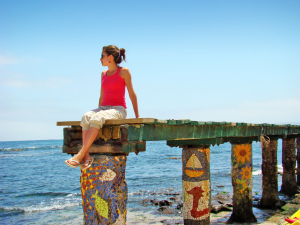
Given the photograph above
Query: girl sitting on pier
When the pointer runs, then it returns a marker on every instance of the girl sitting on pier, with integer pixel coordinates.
(112, 103)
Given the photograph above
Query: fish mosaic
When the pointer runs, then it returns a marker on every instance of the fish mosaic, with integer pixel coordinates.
(104, 191)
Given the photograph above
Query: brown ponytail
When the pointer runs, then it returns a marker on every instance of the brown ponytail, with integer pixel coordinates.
(118, 54)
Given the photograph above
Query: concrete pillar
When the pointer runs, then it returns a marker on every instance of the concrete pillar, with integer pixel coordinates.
(270, 175)
(196, 185)
(289, 185)
(241, 174)
(298, 161)
(104, 190)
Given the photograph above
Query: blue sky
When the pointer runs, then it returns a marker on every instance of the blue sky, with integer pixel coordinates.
(235, 61)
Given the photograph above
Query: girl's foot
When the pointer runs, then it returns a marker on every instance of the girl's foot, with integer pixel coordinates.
(87, 164)
(75, 161)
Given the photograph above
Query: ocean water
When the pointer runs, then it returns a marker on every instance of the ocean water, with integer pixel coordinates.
(36, 187)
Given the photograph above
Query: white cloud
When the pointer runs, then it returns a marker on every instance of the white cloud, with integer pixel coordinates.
(7, 60)
(48, 82)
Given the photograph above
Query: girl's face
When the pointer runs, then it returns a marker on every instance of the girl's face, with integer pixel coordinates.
(104, 59)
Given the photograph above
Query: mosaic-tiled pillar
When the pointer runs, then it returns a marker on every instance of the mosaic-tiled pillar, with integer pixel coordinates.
(196, 185)
(104, 190)
(241, 175)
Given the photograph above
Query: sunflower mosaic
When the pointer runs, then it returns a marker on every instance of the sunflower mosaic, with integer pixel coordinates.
(246, 173)
(242, 153)
(242, 167)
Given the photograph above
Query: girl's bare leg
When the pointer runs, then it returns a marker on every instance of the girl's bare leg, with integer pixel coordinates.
(88, 138)
(87, 155)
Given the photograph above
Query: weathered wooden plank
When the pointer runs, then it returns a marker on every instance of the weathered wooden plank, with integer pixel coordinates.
(210, 141)
(165, 131)
(162, 122)
(195, 142)
(171, 122)
(109, 147)
(110, 122)
(68, 123)
(184, 121)
(155, 132)
(197, 122)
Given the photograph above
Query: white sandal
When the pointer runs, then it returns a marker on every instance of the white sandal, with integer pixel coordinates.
(89, 165)
(71, 165)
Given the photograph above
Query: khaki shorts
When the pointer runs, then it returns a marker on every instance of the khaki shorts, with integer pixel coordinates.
(97, 117)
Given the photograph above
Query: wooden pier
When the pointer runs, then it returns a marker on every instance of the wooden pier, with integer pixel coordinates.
(104, 199)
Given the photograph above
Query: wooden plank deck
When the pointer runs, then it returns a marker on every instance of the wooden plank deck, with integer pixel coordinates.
(176, 132)
(110, 122)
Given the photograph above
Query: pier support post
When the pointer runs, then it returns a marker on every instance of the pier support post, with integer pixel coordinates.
(269, 175)
(104, 190)
(298, 161)
(289, 185)
(196, 185)
(241, 174)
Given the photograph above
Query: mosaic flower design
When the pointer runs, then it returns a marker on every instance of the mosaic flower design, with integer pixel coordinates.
(242, 185)
(246, 173)
(104, 191)
(242, 153)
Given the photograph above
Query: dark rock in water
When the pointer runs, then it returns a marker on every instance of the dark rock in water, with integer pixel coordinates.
(280, 203)
(174, 158)
(166, 210)
(145, 201)
(256, 204)
(216, 207)
(165, 203)
(256, 198)
(154, 202)
(172, 222)
(179, 206)
(221, 202)
(295, 201)
(220, 186)
(175, 199)
(223, 198)
(256, 201)
(226, 208)
(175, 193)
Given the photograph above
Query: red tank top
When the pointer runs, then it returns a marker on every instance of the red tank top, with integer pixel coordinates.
(114, 90)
